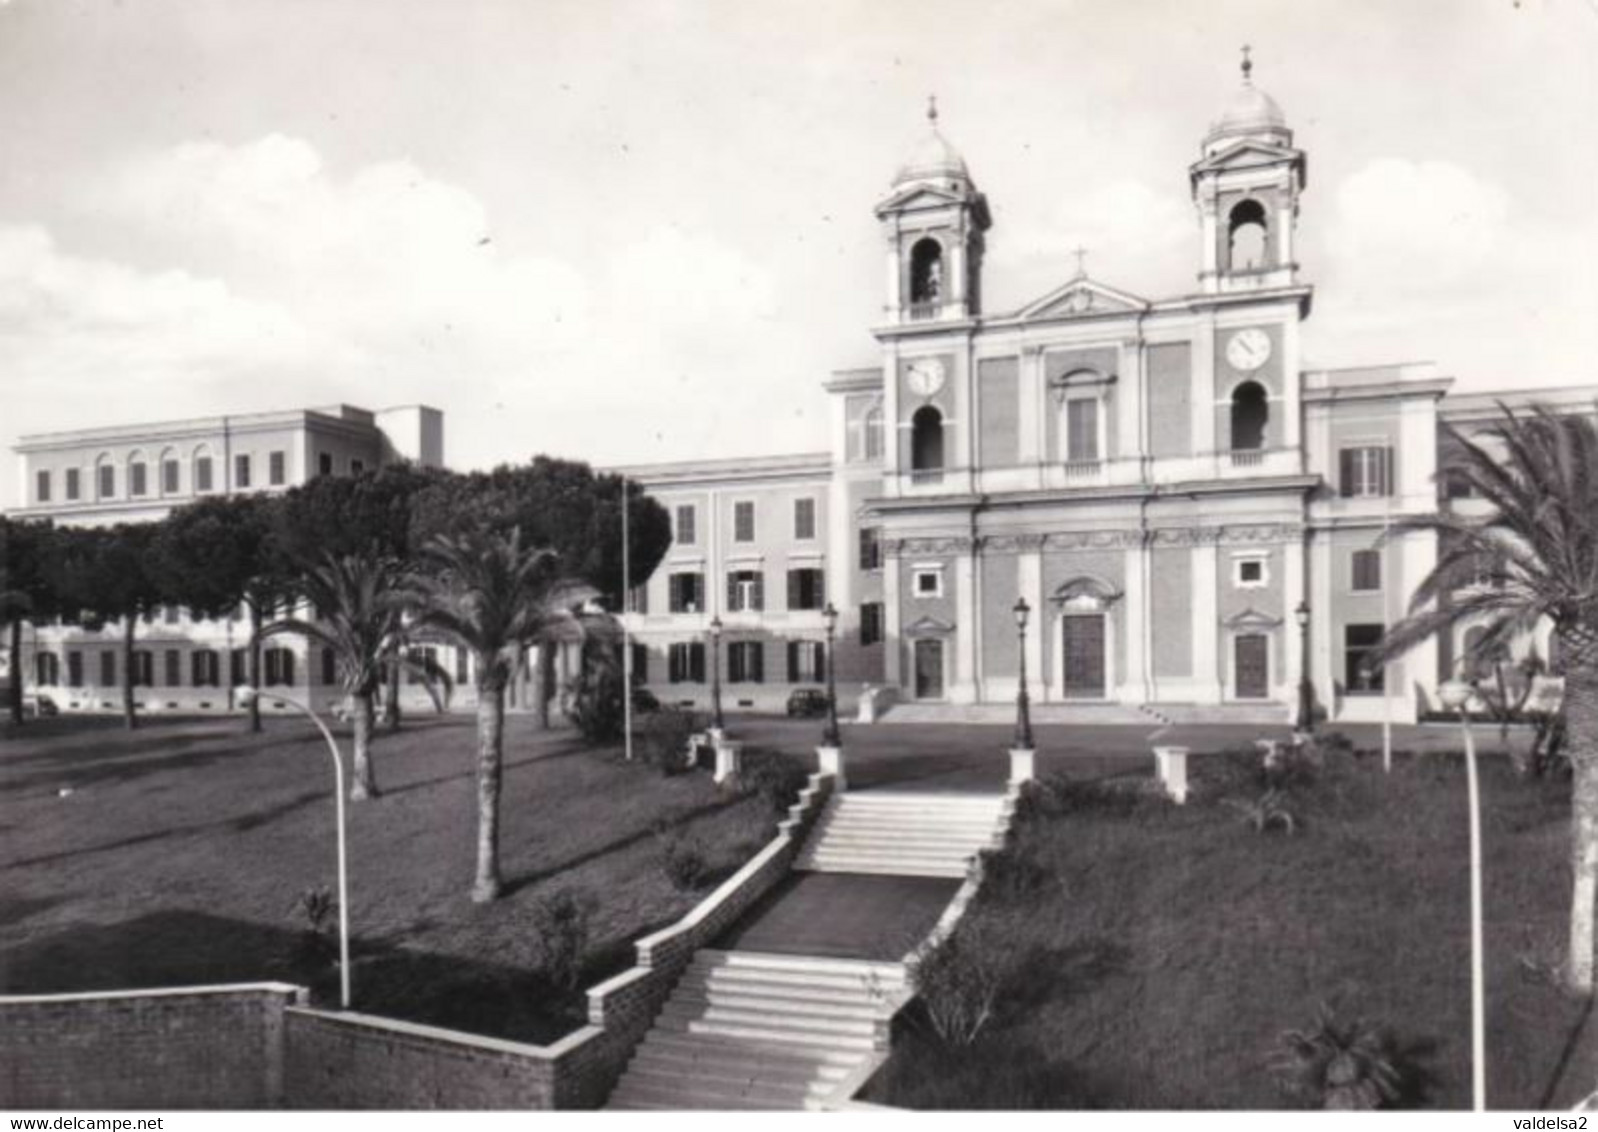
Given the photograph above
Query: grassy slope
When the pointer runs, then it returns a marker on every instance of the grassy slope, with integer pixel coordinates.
(1177, 945)
(180, 853)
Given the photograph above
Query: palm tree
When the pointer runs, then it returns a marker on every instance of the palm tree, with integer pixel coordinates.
(360, 616)
(493, 596)
(1538, 474)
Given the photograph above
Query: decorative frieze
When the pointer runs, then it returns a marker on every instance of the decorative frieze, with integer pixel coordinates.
(1232, 535)
(932, 546)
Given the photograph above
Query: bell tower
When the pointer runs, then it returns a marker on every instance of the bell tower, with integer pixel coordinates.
(1246, 185)
(933, 223)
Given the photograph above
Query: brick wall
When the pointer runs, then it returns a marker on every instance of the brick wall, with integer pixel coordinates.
(190, 1048)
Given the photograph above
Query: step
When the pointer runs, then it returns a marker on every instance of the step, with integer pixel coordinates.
(858, 996)
(841, 853)
(786, 1021)
(731, 1078)
(736, 1063)
(643, 1096)
(920, 840)
(776, 1004)
(812, 964)
(872, 869)
(756, 1031)
(696, 1047)
(922, 831)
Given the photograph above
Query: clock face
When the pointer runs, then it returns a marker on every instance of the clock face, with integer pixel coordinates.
(926, 377)
(1248, 349)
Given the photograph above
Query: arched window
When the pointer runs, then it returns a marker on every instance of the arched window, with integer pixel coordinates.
(138, 475)
(1247, 236)
(926, 440)
(204, 470)
(1250, 411)
(926, 271)
(105, 477)
(171, 472)
(47, 669)
(873, 434)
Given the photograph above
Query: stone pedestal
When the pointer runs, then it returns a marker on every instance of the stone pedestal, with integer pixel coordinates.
(1023, 764)
(1170, 763)
(830, 761)
(729, 761)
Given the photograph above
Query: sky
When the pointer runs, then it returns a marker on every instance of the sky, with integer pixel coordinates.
(638, 230)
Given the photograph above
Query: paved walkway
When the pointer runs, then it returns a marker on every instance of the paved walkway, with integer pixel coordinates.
(843, 916)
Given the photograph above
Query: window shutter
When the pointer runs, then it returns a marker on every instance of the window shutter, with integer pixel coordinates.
(821, 589)
(1345, 473)
(793, 662)
(757, 662)
(760, 590)
(735, 663)
(674, 664)
(696, 660)
(196, 669)
(1387, 471)
(793, 589)
(732, 590)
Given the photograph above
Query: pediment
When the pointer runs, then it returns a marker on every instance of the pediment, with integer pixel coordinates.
(919, 196)
(1252, 620)
(1086, 594)
(1246, 152)
(928, 626)
(1083, 298)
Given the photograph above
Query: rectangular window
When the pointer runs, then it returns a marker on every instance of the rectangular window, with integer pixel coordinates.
(870, 622)
(1365, 472)
(202, 473)
(686, 661)
(171, 614)
(638, 599)
(640, 663)
(806, 662)
(74, 488)
(169, 477)
(1082, 429)
(143, 675)
(1359, 647)
(746, 662)
(203, 668)
(746, 591)
(324, 463)
(279, 666)
(870, 548)
(136, 479)
(329, 666)
(74, 669)
(357, 466)
(686, 535)
(743, 522)
(928, 583)
(174, 668)
(687, 592)
(806, 588)
(804, 519)
(238, 667)
(108, 668)
(241, 471)
(1367, 570)
(1249, 573)
(43, 491)
(463, 665)
(107, 481)
(276, 468)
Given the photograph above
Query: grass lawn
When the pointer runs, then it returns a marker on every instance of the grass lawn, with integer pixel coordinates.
(177, 854)
(1166, 948)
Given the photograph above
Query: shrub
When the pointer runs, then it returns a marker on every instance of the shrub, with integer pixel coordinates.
(775, 777)
(593, 699)
(662, 742)
(1343, 1065)
(1016, 873)
(684, 859)
(561, 921)
(1059, 795)
(317, 908)
(962, 978)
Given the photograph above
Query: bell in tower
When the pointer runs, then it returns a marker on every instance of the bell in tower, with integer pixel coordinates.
(1246, 186)
(933, 220)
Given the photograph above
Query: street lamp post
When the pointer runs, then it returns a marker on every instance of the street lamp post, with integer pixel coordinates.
(715, 675)
(1454, 694)
(1023, 705)
(1305, 724)
(246, 695)
(830, 737)
(626, 632)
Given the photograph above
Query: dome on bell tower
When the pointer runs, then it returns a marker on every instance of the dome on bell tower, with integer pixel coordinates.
(933, 158)
(1250, 113)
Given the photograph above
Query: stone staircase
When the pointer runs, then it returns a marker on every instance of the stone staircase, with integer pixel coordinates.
(1082, 714)
(903, 833)
(747, 1030)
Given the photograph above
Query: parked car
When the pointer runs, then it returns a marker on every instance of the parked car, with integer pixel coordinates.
(36, 704)
(806, 702)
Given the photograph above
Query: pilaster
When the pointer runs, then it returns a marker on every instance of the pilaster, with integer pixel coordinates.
(1029, 578)
(1134, 688)
(1206, 622)
(892, 634)
(963, 688)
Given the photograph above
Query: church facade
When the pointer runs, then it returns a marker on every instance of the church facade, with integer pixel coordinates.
(1190, 514)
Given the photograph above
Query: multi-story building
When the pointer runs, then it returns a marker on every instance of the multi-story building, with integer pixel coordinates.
(1186, 507)
(139, 473)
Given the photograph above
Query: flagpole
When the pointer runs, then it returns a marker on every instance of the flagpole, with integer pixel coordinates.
(626, 633)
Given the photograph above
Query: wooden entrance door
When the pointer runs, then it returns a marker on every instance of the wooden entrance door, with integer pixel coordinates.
(1082, 655)
(929, 669)
(1251, 655)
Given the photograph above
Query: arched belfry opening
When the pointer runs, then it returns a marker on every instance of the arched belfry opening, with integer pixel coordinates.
(1246, 246)
(926, 440)
(926, 271)
(1251, 412)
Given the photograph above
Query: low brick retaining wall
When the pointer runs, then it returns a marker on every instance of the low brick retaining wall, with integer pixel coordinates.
(178, 1048)
(256, 1045)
